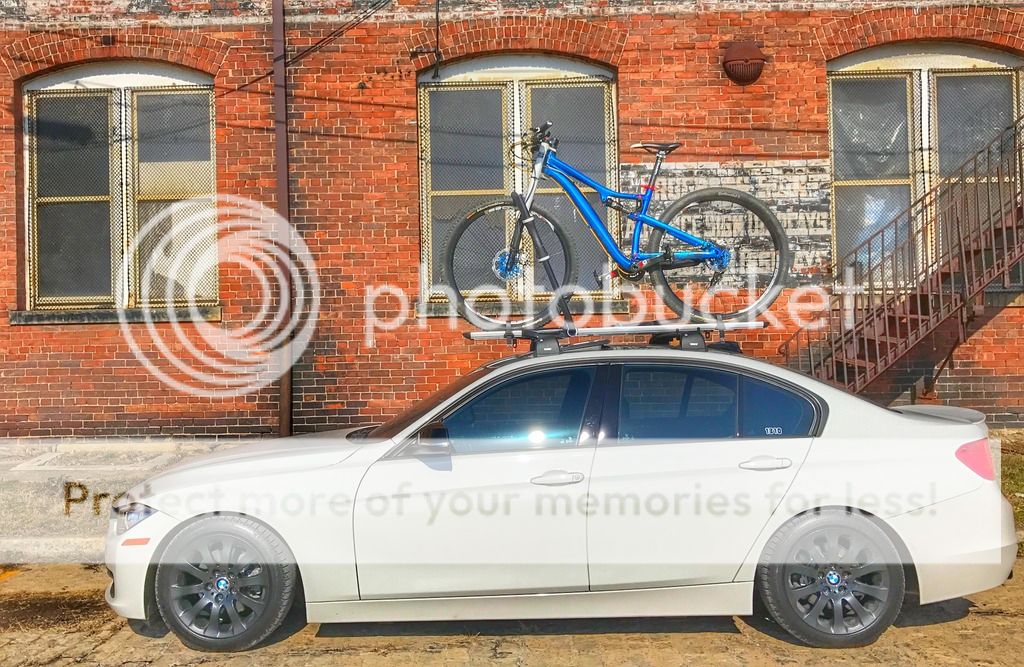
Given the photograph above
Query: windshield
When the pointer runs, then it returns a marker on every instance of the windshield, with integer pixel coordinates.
(414, 412)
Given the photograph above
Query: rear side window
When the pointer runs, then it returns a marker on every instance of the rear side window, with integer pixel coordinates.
(665, 402)
(771, 411)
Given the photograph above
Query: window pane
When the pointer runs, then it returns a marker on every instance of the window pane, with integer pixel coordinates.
(972, 111)
(580, 124)
(661, 403)
(862, 210)
(177, 251)
(539, 411)
(467, 139)
(74, 249)
(869, 128)
(72, 142)
(173, 127)
(771, 411)
(446, 211)
(174, 149)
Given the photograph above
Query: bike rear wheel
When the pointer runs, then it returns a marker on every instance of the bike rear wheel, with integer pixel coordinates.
(487, 289)
(758, 267)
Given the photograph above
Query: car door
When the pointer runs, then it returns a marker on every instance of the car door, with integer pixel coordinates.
(503, 513)
(693, 462)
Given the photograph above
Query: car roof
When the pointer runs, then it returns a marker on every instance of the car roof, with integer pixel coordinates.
(583, 354)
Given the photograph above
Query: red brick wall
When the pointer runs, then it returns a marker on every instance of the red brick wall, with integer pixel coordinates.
(986, 372)
(354, 179)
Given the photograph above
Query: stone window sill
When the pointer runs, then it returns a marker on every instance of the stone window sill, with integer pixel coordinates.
(108, 315)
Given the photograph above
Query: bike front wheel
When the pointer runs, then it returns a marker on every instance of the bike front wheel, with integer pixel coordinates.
(759, 262)
(489, 289)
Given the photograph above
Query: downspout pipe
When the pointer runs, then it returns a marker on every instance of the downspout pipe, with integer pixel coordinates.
(280, 97)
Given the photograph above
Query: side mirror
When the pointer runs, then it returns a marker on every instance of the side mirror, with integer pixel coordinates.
(432, 440)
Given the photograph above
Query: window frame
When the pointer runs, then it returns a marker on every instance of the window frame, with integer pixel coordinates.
(923, 61)
(517, 75)
(120, 82)
(33, 200)
(915, 168)
(613, 400)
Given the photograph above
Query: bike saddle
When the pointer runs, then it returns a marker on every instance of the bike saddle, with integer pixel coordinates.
(655, 147)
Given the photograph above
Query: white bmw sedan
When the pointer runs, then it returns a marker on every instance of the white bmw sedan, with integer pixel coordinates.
(597, 482)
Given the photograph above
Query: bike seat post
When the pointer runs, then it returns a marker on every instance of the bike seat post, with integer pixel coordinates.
(658, 159)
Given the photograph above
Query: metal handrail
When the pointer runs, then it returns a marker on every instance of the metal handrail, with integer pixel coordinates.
(919, 269)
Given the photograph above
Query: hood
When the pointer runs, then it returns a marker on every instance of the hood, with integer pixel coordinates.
(943, 412)
(238, 462)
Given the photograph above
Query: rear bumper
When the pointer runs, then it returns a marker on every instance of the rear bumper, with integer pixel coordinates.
(960, 546)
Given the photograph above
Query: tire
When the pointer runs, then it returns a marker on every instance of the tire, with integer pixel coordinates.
(827, 558)
(756, 249)
(472, 254)
(224, 552)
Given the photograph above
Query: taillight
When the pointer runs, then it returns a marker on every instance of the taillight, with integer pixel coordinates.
(976, 456)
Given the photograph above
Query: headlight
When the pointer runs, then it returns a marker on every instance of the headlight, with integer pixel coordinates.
(131, 515)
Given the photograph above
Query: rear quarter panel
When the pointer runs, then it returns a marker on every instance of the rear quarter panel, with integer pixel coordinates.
(875, 460)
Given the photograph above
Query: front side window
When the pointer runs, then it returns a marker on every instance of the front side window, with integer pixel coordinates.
(120, 173)
(538, 411)
(467, 119)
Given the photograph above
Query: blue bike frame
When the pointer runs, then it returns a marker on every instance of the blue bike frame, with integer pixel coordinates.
(566, 176)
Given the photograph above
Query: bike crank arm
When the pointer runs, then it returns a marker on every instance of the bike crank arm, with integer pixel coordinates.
(529, 221)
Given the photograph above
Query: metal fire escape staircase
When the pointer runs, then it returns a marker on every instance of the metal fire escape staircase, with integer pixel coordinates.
(919, 270)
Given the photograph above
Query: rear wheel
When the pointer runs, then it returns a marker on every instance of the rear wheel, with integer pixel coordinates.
(741, 224)
(225, 583)
(832, 579)
(487, 286)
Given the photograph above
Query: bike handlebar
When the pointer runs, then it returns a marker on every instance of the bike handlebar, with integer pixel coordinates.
(538, 135)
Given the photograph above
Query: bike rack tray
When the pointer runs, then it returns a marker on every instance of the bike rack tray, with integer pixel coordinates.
(545, 341)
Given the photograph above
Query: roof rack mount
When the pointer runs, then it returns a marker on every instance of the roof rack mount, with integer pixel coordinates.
(643, 328)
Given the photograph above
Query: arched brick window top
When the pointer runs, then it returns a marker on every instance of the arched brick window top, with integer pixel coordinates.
(43, 51)
(980, 25)
(572, 37)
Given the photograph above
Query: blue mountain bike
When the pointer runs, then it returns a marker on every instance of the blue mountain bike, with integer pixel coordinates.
(501, 248)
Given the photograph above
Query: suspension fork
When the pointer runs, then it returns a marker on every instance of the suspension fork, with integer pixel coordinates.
(524, 203)
(527, 220)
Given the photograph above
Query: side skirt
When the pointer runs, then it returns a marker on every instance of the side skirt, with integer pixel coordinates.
(703, 600)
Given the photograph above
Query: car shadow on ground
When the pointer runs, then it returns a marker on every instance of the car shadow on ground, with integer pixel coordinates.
(911, 616)
(576, 626)
(914, 614)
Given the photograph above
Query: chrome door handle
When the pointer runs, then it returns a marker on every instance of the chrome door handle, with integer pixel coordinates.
(766, 463)
(558, 478)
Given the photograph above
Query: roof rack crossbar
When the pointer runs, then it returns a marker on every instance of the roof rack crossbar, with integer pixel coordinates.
(643, 328)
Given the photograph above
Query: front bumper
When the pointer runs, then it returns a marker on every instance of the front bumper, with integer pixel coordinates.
(960, 546)
(128, 557)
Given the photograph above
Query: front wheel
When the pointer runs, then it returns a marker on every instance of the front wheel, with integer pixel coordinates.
(494, 292)
(759, 256)
(225, 583)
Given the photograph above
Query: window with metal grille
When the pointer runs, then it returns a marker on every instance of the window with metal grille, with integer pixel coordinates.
(470, 114)
(903, 117)
(120, 173)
